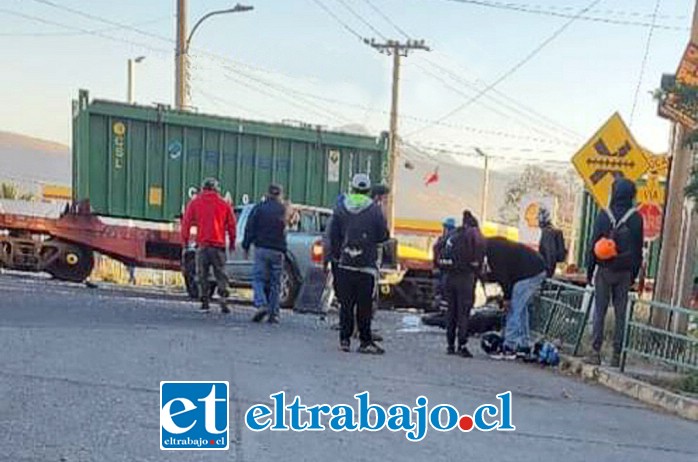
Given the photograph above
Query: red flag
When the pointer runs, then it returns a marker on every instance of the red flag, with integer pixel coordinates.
(432, 178)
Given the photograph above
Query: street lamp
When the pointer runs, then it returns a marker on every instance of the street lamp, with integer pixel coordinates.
(183, 42)
(131, 90)
(485, 183)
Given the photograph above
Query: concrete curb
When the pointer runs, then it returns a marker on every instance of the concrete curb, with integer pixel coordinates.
(674, 403)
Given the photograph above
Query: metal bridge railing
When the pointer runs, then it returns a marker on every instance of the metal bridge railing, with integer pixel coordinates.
(657, 343)
(560, 312)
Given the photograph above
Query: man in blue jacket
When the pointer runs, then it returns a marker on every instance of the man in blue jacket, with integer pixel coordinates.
(358, 226)
(613, 278)
(266, 230)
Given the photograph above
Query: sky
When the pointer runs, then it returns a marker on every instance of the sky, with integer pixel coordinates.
(291, 60)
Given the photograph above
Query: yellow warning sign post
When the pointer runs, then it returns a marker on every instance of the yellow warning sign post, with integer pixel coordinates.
(612, 152)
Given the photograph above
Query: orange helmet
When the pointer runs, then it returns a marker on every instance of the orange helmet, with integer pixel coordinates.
(605, 249)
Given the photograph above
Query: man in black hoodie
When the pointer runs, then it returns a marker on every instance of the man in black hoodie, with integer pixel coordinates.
(358, 226)
(612, 278)
(520, 271)
(552, 243)
(266, 230)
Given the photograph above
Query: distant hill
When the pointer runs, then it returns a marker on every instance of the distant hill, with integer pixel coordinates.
(24, 159)
(459, 187)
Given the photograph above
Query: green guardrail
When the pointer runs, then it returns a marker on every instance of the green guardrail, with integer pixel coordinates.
(560, 312)
(657, 343)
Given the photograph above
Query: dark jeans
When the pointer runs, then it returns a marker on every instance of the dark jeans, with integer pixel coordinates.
(355, 291)
(208, 258)
(266, 283)
(610, 286)
(459, 290)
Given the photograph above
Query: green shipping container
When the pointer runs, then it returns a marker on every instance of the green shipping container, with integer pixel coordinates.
(145, 163)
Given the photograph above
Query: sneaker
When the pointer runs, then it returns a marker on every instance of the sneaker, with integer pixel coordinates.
(260, 315)
(371, 348)
(524, 354)
(450, 350)
(508, 354)
(204, 305)
(225, 309)
(464, 352)
(615, 360)
(273, 319)
(594, 359)
(345, 346)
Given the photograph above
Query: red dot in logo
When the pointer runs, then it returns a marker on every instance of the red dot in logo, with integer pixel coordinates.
(465, 423)
(212, 442)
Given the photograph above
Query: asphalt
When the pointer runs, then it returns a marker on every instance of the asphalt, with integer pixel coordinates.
(80, 370)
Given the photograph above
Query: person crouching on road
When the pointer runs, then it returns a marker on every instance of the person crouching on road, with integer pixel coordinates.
(358, 226)
(520, 271)
(266, 230)
(212, 217)
(620, 226)
(460, 259)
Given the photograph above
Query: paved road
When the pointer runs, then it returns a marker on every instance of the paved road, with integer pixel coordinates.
(80, 371)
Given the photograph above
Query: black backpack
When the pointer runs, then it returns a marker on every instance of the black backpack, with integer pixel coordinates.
(454, 251)
(359, 248)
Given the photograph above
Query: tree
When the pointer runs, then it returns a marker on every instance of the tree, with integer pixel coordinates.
(12, 191)
(535, 179)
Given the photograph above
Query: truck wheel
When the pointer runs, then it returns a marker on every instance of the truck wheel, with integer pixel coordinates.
(290, 285)
(74, 264)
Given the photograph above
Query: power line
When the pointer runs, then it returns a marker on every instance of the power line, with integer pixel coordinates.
(644, 62)
(556, 12)
(339, 20)
(74, 34)
(506, 97)
(362, 19)
(513, 69)
(387, 18)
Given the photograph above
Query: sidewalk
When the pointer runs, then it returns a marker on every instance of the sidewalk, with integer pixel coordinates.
(674, 403)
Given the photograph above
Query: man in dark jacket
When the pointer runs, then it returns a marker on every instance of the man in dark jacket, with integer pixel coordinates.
(213, 217)
(520, 271)
(552, 243)
(358, 226)
(460, 259)
(612, 278)
(266, 230)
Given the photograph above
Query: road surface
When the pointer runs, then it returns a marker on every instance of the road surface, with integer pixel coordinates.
(80, 371)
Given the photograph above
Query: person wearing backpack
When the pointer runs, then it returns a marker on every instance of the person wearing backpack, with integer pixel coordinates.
(460, 259)
(552, 243)
(357, 228)
(613, 263)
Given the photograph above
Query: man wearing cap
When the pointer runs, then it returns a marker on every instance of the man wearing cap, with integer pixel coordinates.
(358, 226)
(213, 217)
(266, 230)
(552, 243)
(440, 303)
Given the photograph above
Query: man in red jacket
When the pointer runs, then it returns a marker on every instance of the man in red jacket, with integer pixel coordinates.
(212, 217)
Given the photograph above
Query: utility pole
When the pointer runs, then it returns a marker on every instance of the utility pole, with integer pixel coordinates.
(131, 90)
(681, 163)
(485, 185)
(398, 50)
(181, 57)
(182, 52)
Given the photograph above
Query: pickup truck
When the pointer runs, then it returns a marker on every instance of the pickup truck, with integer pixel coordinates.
(306, 227)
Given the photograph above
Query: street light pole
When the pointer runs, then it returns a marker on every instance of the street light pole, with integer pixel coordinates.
(182, 53)
(131, 90)
(485, 185)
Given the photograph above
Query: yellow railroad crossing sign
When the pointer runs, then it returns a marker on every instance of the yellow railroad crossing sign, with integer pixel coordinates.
(612, 152)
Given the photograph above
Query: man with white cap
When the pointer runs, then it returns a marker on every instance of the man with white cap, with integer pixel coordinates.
(358, 226)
